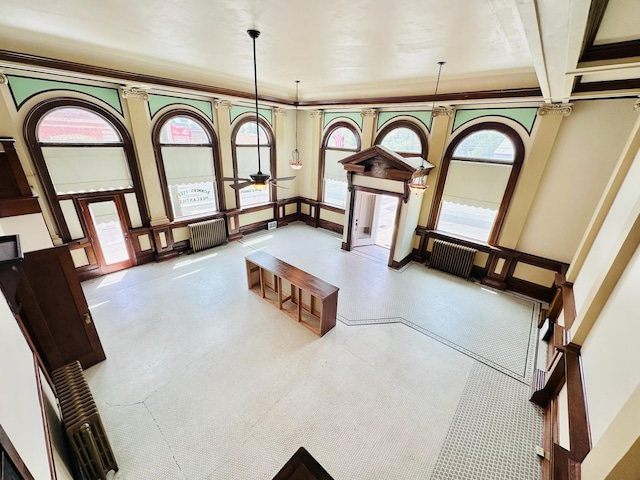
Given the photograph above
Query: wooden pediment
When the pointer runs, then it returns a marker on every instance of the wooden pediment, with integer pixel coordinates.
(380, 162)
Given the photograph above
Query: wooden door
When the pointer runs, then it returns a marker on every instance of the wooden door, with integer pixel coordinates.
(54, 310)
(109, 234)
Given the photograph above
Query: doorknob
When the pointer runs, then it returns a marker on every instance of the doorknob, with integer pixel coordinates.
(87, 318)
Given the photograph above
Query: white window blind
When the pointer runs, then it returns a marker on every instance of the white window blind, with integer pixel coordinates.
(84, 169)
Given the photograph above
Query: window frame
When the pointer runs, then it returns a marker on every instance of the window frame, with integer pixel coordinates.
(518, 160)
(30, 132)
(213, 143)
(329, 130)
(408, 124)
(251, 118)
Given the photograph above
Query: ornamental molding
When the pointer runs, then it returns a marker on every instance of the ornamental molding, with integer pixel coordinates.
(222, 104)
(280, 112)
(368, 112)
(563, 109)
(316, 114)
(443, 112)
(636, 106)
(134, 92)
(3, 78)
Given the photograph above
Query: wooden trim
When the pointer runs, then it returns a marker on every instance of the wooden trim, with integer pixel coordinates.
(110, 73)
(12, 207)
(215, 151)
(139, 78)
(511, 183)
(504, 280)
(332, 226)
(398, 265)
(611, 51)
(605, 85)
(579, 434)
(596, 14)
(530, 93)
(14, 456)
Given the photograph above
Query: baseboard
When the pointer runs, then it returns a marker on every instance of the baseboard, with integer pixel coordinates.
(402, 263)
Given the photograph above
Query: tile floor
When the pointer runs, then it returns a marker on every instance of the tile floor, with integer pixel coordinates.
(424, 376)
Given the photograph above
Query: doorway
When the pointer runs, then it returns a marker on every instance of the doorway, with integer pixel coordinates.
(104, 217)
(374, 225)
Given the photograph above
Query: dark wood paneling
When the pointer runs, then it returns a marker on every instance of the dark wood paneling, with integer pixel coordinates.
(531, 93)
(505, 279)
(328, 225)
(612, 51)
(19, 206)
(603, 86)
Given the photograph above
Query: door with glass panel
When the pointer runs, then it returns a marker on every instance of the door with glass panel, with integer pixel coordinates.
(105, 220)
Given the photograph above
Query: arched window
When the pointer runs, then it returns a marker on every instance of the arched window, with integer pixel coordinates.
(403, 137)
(340, 141)
(245, 159)
(81, 150)
(186, 152)
(479, 174)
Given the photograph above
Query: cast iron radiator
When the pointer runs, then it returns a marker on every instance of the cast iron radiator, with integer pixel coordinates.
(207, 234)
(452, 258)
(82, 423)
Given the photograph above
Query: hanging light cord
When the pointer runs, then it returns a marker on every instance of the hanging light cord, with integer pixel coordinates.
(433, 106)
(254, 34)
(297, 103)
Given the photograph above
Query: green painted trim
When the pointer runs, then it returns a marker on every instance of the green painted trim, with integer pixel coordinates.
(422, 116)
(23, 88)
(355, 116)
(237, 110)
(157, 102)
(525, 116)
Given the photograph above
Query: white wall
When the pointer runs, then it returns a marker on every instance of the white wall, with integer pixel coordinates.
(20, 413)
(586, 150)
(610, 355)
(31, 228)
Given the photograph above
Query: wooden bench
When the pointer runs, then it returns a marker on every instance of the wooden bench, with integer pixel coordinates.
(305, 298)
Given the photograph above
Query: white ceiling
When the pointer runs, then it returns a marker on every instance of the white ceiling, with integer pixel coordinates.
(338, 49)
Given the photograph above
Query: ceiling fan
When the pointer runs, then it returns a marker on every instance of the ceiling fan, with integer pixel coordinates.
(259, 180)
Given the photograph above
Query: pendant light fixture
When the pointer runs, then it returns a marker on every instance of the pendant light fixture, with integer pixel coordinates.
(258, 180)
(418, 183)
(295, 162)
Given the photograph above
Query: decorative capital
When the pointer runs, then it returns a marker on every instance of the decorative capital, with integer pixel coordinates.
(442, 112)
(134, 92)
(3, 78)
(316, 114)
(368, 112)
(280, 112)
(222, 104)
(563, 109)
(636, 106)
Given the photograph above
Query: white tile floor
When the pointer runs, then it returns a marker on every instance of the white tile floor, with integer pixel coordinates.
(205, 380)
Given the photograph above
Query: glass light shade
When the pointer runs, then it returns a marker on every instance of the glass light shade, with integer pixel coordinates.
(260, 186)
(418, 185)
(295, 162)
